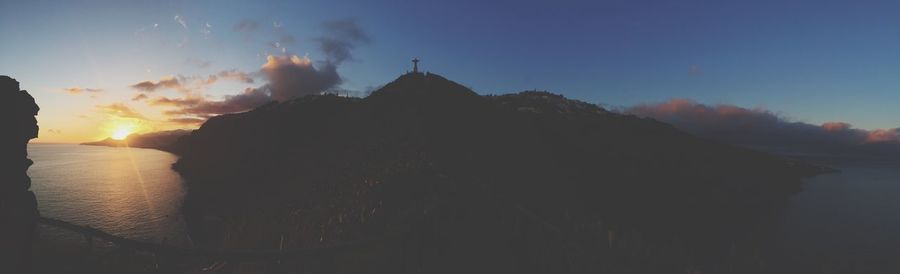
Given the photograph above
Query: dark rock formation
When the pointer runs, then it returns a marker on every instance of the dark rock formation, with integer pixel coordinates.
(18, 207)
(160, 140)
(326, 168)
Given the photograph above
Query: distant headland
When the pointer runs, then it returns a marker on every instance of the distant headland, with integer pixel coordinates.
(161, 140)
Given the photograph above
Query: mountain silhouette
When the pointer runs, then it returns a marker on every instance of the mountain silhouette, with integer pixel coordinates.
(326, 168)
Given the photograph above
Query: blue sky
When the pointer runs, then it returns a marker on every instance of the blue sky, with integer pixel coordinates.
(811, 61)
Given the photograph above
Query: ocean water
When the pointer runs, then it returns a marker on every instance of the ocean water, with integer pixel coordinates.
(129, 192)
(847, 222)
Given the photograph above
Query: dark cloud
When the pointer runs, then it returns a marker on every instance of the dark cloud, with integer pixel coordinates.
(121, 110)
(249, 99)
(293, 76)
(758, 127)
(246, 25)
(346, 29)
(139, 97)
(80, 90)
(340, 38)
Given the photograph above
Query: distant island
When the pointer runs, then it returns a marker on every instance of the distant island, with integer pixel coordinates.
(480, 180)
(161, 140)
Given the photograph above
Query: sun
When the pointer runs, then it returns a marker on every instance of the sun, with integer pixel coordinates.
(122, 131)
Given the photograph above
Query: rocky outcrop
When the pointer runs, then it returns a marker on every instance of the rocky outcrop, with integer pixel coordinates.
(18, 206)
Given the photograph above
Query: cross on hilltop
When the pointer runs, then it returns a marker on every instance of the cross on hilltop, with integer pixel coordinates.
(415, 65)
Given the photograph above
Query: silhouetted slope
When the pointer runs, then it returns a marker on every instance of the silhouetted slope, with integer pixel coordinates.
(161, 140)
(328, 168)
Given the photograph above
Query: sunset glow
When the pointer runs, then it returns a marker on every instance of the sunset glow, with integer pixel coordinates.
(122, 131)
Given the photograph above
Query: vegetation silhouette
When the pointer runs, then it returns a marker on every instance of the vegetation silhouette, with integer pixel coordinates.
(18, 206)
(519, 183)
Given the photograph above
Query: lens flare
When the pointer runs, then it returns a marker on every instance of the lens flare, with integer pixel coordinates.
(122, 131)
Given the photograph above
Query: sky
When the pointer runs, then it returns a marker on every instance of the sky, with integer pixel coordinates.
(96, 67)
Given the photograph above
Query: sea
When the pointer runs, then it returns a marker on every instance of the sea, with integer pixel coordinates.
(129, 192)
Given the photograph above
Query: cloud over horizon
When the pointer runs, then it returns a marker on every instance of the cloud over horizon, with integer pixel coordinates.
(758, 127)
(287, 76)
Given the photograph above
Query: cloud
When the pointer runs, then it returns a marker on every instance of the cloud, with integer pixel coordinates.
(287, 76)
(177, 102)
(121, 110)
(185, 38)
(836, 126)
(206, 30)
(883, 135)
(168, 82)
(187, 121)
(340, 38)
(54, 131)
(234, 74)
(139, 97)
(190, 84)
(293, 76)
(198, 107)
(180, 20)
(758, 127)
(246, 25)
(80, 90)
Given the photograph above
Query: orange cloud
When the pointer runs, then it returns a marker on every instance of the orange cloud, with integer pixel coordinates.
(274, 62)
(121, 110)
(835, 126)
(79, 90)
(178, 102)
(139, 97)
(883, 135)
(187, 121)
